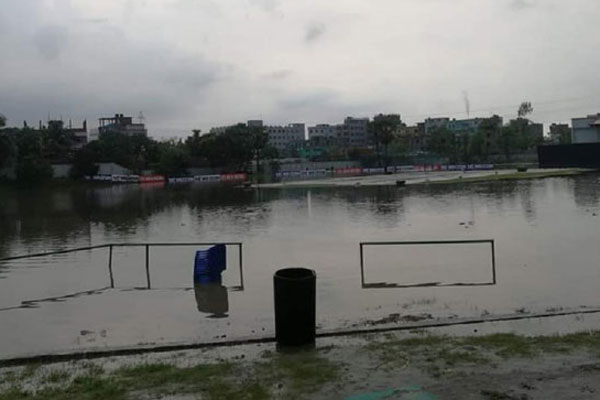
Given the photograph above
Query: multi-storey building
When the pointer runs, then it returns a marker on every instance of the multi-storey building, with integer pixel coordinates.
(414, 138)
(78, 136)
(286, 137)
(121, 124)
(431, 125)
(322, 131)
(560, 133)
(470, 125)
(586, 130)
(354, 132)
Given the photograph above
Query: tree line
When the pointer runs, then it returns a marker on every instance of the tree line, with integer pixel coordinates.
(32, 151)
(393, 144)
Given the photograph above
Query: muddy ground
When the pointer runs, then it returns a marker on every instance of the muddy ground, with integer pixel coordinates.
(413, 365)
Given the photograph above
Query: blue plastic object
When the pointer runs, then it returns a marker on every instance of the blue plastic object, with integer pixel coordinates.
(209, 264)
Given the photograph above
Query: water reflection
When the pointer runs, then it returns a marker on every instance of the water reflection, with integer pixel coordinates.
(586, 192)
(57, 217)
(545, 232)
(212, 298)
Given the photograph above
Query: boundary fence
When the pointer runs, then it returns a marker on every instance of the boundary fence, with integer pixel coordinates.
(366, 285)
(110, 247)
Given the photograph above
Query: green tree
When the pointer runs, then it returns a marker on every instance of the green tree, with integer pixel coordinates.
(384, 128)
(231, 149)
(173, 160)
(525, 109)
(488, 137)
(32, 166)
(7, 144)
(443, 143)
(33, 170)
(565, 137)
(259, 139)
(84, 162)
(477, 146)
(56, 142)
(135, 152)
(508, 140)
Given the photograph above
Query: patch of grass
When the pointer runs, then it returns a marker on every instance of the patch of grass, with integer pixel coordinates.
(82, 388)
(13, 393)
(29, 371)
(509, 345)
(89, 387)
(167, 378)
(432, 353)
(92, 369)
(303, 373)
(456, 357)
(213, 381)
(8, 377)
(56, 377)
(503, 344)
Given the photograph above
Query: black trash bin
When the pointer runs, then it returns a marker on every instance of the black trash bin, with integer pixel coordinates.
(295, 290)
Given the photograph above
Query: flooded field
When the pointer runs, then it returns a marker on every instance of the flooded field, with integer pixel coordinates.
(544, 232)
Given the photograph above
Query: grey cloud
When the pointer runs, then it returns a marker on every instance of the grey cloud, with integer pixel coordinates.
(194, 6)
(51, 41)
(521, 4)
(126, 76)
(313, 32)
(92, 20)
(279, 74)
(326, 105)
(266, 5)
(192, 74)
(317, 98)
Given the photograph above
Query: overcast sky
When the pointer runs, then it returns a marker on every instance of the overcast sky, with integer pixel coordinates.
(201, 63)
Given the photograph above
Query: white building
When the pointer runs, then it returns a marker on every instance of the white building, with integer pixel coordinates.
(433, 124)
(121, 124)
(353, 132)
(586, 130)
(322, 131)
(285, 137)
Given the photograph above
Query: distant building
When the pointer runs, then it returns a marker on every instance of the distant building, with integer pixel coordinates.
(354, 132)
(431, 125)
(286, 137)
(291, 136)
(255, 123)
(414, 138)
(78, 136)
(322, 131)
(121, 124)
(560, 133)
(470, 125)
(586, 130)
(536, 130)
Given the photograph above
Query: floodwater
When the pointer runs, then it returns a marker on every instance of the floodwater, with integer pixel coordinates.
(545, 232)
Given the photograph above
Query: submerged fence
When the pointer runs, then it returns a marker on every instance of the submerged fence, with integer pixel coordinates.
(146, 246)
(375, 285)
